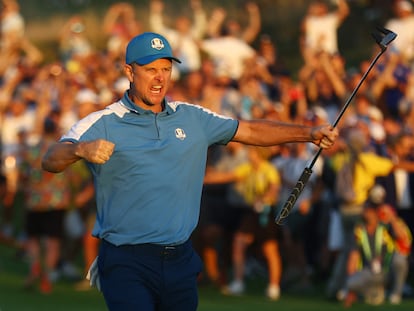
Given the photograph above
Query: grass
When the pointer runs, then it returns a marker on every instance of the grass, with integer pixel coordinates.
(64, 297)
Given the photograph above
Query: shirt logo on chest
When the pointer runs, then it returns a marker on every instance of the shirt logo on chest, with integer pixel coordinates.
(180, 134)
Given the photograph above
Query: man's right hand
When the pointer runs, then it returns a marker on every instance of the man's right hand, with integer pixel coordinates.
(96, 151)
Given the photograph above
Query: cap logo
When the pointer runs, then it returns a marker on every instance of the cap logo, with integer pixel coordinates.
(157, 44)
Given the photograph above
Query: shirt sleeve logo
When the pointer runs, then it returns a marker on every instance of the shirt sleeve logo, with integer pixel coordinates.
(157, 44)
(180, 134)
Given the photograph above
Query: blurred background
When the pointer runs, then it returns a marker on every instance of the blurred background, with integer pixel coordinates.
(291, 61)
(280, 20)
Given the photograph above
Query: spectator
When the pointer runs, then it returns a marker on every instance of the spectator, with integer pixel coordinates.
(254, 104)
(73, 41)
(218, 21)
(120, 25)
(269, 67)
(293, 103)
(389, 86)
(400, 182)
(401, 23)
(321, 238)
(12, 24)
(194, 84)
(18, 56)
(290, 164)
(369, 260)
(257, 181)
(319, 26)
(356, 173)
(229, 55)
(406, 105)
(377, 130)
(228, 52)
(402, 238)
(46, 199)
(322, 77)
(67, 108)
(18, 121)
(221, 209)
(222, 96)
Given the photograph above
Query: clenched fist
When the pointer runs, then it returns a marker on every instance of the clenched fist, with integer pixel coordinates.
(324, 136)
(96, 151)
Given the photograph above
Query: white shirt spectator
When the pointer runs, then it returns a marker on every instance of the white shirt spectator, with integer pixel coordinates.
(320, 26)
(12, 25)
(21, 121)
(403, 25)
(229, 54)
(321, 33)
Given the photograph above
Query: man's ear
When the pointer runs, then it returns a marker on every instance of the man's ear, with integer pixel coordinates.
(129, 72)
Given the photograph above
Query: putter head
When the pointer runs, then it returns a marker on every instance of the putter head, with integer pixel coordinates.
(384, 37)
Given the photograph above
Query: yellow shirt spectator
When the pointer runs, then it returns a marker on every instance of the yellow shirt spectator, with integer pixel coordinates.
(367, 167)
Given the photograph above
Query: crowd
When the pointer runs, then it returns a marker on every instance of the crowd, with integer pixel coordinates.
(235, 70)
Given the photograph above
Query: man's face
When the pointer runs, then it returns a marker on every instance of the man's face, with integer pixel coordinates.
(385, 213)
(149, 83)
(319, 8)
(370, 215)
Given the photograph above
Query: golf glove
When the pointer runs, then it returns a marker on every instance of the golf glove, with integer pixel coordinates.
(93, 275)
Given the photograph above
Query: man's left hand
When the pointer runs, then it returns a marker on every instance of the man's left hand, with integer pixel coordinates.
(324, 136)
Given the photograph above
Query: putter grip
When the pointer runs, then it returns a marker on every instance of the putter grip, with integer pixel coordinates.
(294, 195)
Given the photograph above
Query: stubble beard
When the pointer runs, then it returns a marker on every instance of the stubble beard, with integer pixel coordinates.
(145, 100)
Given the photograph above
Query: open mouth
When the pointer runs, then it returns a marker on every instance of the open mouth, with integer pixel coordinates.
(156, 89)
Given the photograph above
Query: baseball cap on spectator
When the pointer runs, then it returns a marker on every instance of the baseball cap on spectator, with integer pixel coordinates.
(148, 47)
(86, 96)
(375, 114)
(377, 131)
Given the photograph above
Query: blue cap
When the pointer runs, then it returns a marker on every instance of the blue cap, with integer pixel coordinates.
(148, 47)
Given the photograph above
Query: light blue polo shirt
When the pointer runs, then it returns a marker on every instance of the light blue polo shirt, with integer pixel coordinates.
(149, 191)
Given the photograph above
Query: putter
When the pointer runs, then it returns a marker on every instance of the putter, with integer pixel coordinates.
(383, 39)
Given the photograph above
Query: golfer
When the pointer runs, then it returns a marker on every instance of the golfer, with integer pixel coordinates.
(148, 157)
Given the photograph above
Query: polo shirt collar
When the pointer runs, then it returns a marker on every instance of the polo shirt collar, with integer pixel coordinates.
(129, 104)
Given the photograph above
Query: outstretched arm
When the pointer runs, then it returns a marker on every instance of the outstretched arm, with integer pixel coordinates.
(269, 133)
